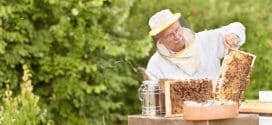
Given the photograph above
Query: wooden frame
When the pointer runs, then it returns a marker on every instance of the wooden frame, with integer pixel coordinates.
(199, 90)
(234, 75)
(255, 106)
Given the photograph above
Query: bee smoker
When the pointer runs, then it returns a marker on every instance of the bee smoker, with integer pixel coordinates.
(149, 95)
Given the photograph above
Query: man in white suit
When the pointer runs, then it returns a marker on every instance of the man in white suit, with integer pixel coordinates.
(182, 54)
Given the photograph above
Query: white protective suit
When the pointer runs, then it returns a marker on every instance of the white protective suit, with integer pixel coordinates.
(211, 50)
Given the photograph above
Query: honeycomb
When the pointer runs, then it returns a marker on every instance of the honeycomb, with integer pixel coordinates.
(234, 76)
(199, 90)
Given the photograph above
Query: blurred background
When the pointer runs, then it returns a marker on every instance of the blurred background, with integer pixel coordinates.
(83, 57)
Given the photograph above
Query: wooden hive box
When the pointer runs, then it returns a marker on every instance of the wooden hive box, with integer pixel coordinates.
(211, 112)
(234, 75)
(178, 91)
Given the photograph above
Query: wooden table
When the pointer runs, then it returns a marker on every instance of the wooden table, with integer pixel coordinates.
(242, 119)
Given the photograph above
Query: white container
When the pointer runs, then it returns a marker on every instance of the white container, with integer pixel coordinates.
(265, 96)
(265, 120)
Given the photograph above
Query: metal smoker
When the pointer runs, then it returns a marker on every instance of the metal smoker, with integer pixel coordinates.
(149, 95)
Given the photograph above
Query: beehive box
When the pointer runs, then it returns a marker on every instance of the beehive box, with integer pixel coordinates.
(211, 112)
(178, 91)
(234, 75)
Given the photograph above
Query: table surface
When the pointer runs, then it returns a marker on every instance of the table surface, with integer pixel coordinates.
(242, 119)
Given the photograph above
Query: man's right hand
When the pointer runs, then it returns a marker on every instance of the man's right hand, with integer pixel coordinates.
(231, 40)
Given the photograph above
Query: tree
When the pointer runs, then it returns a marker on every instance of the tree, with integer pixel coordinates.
(22, 109)
(81, 56)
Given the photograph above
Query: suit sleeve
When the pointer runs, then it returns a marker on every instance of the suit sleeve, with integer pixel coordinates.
(212, 40)
(236, 28)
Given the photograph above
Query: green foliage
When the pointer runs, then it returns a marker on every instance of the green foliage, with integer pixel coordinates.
(84, 54)
(22, 109)
(83, 60)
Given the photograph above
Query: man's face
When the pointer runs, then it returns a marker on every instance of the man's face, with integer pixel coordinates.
(172, 37)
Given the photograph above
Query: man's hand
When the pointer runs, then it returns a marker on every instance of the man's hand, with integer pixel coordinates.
(231, 40)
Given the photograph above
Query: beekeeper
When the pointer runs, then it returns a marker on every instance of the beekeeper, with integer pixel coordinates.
(183, 54)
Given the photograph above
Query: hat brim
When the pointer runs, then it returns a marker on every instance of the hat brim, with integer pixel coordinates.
(169, 23)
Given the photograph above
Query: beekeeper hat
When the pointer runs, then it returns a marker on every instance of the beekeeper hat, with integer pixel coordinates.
(162, 20)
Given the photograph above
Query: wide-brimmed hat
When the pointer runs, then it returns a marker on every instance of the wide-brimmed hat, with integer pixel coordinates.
(162, 20)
